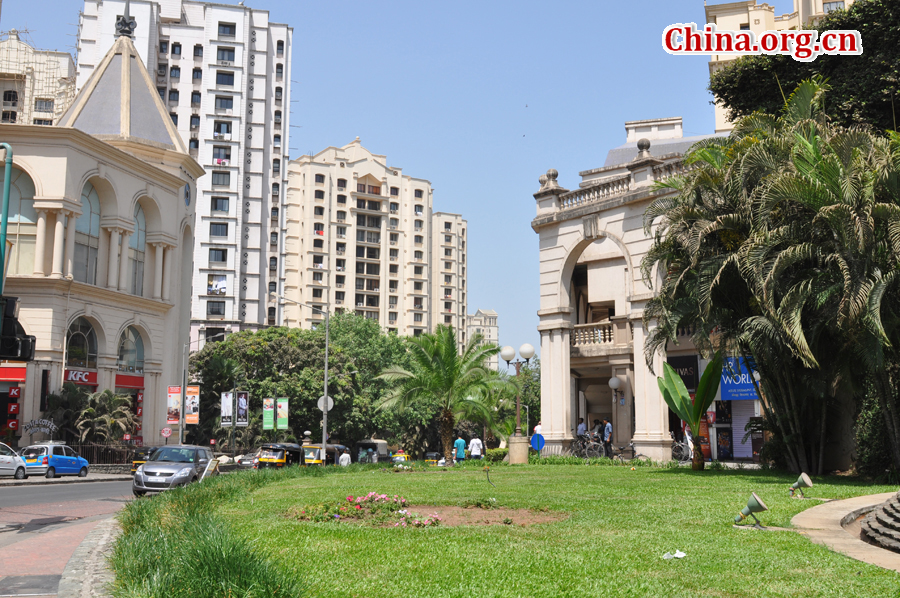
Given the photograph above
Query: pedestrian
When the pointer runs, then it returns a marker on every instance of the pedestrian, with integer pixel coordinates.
(595, 431)
(607, 437)
(345, 459)
(475, 447)
(369, 457)
(374, 456)
(537, 428)
(582, 428)
(460, 447)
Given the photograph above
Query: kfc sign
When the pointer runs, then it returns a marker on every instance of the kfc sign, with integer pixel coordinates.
(12, 424)
(13, 408)
(15, 392)
(81, 377)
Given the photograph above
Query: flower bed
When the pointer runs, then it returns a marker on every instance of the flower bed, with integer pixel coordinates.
(373, 508)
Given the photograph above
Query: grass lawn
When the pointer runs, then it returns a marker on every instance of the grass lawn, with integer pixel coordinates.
(620, 523)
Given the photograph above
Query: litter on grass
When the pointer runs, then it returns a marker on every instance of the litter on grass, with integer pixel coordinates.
(678, 555)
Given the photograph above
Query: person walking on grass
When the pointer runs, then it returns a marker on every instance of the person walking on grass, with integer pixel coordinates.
(607, 437)
(475, 447)
(460, 447)
(345, 459)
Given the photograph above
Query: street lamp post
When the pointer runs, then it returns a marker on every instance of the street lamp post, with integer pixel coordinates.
(181, 419)
(325, 400)
(518, 444)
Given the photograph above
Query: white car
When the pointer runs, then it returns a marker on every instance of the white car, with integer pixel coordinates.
(11, 463)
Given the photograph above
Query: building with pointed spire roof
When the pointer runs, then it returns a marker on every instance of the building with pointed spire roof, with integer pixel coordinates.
(102, 225)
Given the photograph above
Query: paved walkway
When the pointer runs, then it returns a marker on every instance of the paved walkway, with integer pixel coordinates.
(823, 524)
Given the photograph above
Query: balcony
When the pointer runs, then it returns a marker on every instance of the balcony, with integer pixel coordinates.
(221, 136)
(221, 161)
(340, 285)
(603, 338)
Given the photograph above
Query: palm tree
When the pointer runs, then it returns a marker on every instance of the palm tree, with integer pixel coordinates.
(457, 384)
(106, 417)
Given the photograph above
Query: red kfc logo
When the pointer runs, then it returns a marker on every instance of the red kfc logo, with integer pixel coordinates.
(140, 397)
(138, 426)
(140, 411)
(81, 377)
(12, 424)
(15, 392)
(13, 408)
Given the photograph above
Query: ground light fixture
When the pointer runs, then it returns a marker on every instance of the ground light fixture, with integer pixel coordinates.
(754, 505)
(802, 482)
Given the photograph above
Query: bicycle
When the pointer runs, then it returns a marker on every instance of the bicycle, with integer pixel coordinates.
(681, 451)
(619, 453)
(585, 447)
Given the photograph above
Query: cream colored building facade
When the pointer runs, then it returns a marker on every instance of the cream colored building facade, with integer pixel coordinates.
(357, 238)
(748, 14)
(102, 217)
(448, 278)
(484, 322)
(36, 86)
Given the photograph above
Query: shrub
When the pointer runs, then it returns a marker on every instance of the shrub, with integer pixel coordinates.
(873, 453)
(495, 455)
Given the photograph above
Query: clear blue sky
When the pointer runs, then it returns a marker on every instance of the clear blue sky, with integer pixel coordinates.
(480, 98)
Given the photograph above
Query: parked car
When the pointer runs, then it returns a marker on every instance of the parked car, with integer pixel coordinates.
(172, 466)
(11, 463)
(52, 459)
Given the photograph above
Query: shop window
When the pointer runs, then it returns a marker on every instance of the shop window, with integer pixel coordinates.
(131, 351)
(136, 248)
(81, 345)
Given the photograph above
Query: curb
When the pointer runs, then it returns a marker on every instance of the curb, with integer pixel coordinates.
(122, 478)
(824, 524)
(87, 573)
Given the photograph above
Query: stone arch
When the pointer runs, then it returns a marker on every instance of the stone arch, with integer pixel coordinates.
(591, 233)
(28, 169)
(102, 338)
(106, 193)
(152, 213)
(144, 334)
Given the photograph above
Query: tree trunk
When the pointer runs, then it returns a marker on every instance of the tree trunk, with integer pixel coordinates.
(447, 434)
(697, 464)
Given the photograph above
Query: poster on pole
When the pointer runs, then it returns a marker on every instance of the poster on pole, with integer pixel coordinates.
(268, 414)
(192, 405)
(281, 421)
(243, 408)
(173, 413)
(226, 418)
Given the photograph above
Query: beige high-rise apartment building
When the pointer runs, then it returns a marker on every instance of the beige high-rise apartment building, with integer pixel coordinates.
(37, 86)
(448, 283)
(749, 15)
(357, 237)
(484, 322)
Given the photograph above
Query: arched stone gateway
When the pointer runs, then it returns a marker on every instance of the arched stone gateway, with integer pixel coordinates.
(593, 296)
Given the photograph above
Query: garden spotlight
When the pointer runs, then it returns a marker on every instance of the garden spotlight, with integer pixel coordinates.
(754, 505)
(802, 482)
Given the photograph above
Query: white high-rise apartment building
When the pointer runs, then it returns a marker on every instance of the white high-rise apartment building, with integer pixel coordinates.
(223, 71)
(358, 237)
(37, 86)
(749, 15)
(484, 322)
(448, 282)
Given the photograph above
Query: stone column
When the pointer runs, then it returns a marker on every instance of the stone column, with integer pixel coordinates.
(58, 245)
(158, 271)
(168, 274)
(40, 243)
(556, 385)
(112, 271)
(70, 245)
(651, 436)
(123, 267)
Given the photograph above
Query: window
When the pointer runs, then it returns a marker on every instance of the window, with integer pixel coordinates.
(394, 255)
(418, 239)
(81, 345)
(198, 51)
(394, 238)
(448, 252)
(319, 211)
(273, 238)
(341, 232)
(276, 166)
(317, 293)
(320, 194)
(317, 243)
(173, 95)
(418, 224)
(175, 72)
(271, 312)
(273, 287)
(448, 319)
(221, 127)
(273, 262)
(225, 78)
(215, 335)
(419, 210)
(394, 207)
(221, 152)
(829, 6)
(43, 121)
(448, 305)
(448, 279)
(226, 54)
(448, 239)
(221, 178)
(395, 191)
(277, 140)
(341, 216)
(448, 226)
(218, 256)
(227, 29)
(194, 144)
(279, 46)
(417, 286)
(418, 194)
(417, 255)
(393, 268)
(131, 351)
(215, 308)
(317, 277)
(197, 75)
(195, 99)
(218, 229)
(163, 47)
(279, 70)
(219, 204)
(279, 93)
(745, 26)
(216, 284)
(342, 183)
(274, 212)
(43, 105)
(319, 228)
(320, 178)
(278, 116)
(87, 236)
(174, 118)
(417, 317)
(342, 199)
(392, 285)
(394, 223)
(136, 251)
(448, 265)
(224, 103)
(417, 270)
(195, 121)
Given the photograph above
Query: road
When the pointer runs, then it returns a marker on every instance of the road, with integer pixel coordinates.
(42, 525)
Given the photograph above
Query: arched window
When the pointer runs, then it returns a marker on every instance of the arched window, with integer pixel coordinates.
(136, 246)
(81, 345)
(22, 229)
(276, 189)
(273, 287)
(87, 236)
(273, 263)
(131, 351)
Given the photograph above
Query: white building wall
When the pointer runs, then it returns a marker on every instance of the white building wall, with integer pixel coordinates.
(448, 282)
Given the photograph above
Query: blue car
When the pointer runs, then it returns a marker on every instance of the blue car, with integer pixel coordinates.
(53, 459)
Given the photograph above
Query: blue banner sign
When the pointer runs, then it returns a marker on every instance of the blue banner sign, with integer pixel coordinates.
(737, 381)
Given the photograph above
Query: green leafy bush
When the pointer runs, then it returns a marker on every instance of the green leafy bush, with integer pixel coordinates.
(495, 455)
(873, 453)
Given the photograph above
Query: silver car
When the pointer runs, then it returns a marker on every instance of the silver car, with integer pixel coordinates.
(171, 466)
(11, 463)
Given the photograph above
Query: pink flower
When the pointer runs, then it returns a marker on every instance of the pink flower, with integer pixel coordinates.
(350, 498)
(358, 507)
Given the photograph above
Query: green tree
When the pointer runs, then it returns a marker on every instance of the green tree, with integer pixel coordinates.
(106, 417)
(64, 408)
(442, 378)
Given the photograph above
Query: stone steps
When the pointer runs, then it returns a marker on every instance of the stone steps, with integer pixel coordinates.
(882, 526)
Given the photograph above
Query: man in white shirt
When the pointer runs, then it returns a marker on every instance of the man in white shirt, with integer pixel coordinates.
(344, 461)
(475, 447)
(537, 428)
(582, 428)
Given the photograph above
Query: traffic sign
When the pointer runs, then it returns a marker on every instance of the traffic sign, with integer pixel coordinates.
(537, 442)
(166, 432)
(126, 437)
(212, 440)
(321, 403)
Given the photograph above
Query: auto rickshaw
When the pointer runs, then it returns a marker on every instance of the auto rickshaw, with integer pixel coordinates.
(313, 453)
(371, 451)
(141, 455)
(400, 458)
(432, 458)
(280, 455)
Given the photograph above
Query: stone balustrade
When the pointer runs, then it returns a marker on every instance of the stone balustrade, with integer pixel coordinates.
(595, 193)
(593, 334)
(601, 338)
